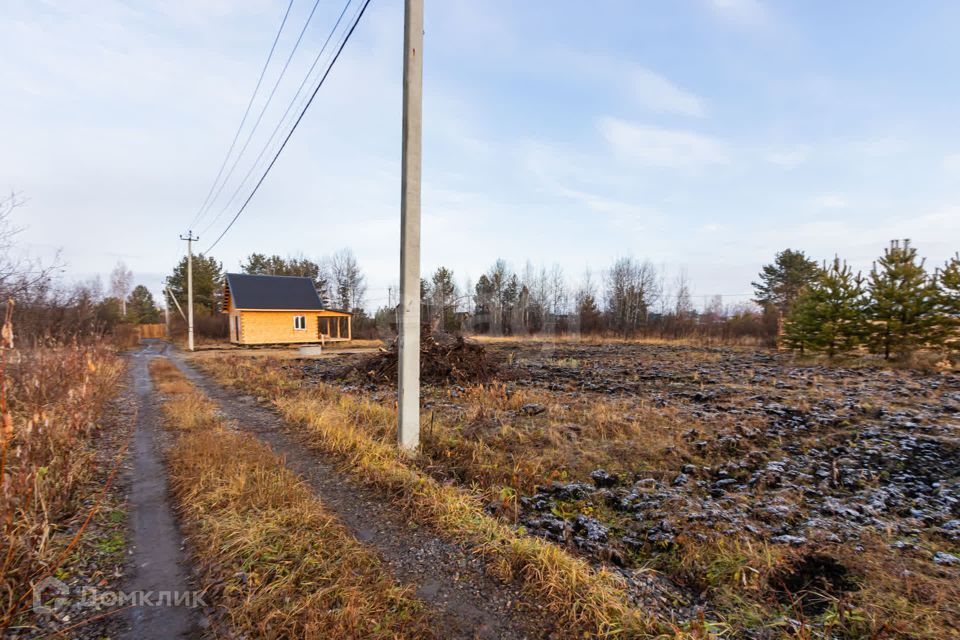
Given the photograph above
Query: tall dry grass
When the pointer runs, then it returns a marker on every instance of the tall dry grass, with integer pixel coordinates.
(50, 400)
(586, 600)
(482, 437)
(277, 563)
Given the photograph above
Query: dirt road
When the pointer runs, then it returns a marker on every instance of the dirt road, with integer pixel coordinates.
(158, 562)
(469, 604)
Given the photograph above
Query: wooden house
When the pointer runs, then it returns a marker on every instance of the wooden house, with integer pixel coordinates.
(280, 309)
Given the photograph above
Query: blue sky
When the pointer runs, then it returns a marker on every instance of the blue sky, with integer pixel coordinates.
(704, 135)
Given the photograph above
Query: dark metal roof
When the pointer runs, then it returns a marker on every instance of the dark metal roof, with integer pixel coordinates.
(273, 292)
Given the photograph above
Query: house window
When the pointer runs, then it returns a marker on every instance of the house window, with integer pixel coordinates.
(299, 322)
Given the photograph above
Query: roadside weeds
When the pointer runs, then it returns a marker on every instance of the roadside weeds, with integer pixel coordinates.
(52, 401)
(275, 562)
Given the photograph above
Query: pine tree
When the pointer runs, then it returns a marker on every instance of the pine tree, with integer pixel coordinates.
(141, 306)
(948, 304)
(842, 309)
(589, 314)
(207, 283)
(261, 264)
(829, 315)
(902, 302)
(444, 297)
(800, 327)
(782, 282)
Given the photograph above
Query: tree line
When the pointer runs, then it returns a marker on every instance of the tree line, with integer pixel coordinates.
(631, 297)
(898, 308)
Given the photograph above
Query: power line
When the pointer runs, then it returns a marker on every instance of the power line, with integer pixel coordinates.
(266, 104)
(243, 120)
(280, 122)
(343, 44)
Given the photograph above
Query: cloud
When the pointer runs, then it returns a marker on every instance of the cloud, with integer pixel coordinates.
(656, 93)
(830, 201)
(951, 163)
(643, 86)
(789, 158)
(861, 241)
(660, 147)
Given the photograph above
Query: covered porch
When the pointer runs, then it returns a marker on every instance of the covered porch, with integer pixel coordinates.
(334, 326)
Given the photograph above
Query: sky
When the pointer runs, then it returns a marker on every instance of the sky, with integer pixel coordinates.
(703, 135)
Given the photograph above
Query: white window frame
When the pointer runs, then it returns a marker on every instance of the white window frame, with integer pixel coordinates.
(299, 323)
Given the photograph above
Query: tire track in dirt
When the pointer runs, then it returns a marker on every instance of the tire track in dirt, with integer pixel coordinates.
(158, 562)
(451, 580)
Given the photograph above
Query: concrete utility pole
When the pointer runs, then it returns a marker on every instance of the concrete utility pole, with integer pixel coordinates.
(190, 240)
(408, 385)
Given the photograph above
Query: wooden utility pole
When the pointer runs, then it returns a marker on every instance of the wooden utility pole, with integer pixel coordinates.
(190, 240)
(408, 384)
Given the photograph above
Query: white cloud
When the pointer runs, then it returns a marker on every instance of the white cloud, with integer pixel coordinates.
(951, 162)
(660, 147)
(642, 86)
(625, 215)
(861, 241)
(789, 158)
(656, 93)
(830, 201)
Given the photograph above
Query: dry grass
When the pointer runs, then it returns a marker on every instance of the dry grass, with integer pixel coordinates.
(480, 436)
(481, 439)
(891, 596)
(341, 424)
(485, 436)
(277, 563)
(52, 399)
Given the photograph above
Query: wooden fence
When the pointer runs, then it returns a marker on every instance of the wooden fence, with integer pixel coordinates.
(158, 330)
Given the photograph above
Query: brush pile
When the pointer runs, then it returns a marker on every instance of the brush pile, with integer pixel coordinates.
(443, 359)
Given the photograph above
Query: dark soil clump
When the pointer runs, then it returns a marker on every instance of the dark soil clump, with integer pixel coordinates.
(443, 358)
(812, 582)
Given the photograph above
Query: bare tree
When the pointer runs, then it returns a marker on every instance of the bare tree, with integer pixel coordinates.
(121, 280)
(683, 305)
(347, 280)
(713, 311)
(632, 289)
(19, 275)
(557, 286)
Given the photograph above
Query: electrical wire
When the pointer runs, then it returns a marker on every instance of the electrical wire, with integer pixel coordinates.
(343, 44)
(266, 104)
(243, 120)
(280, 122)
